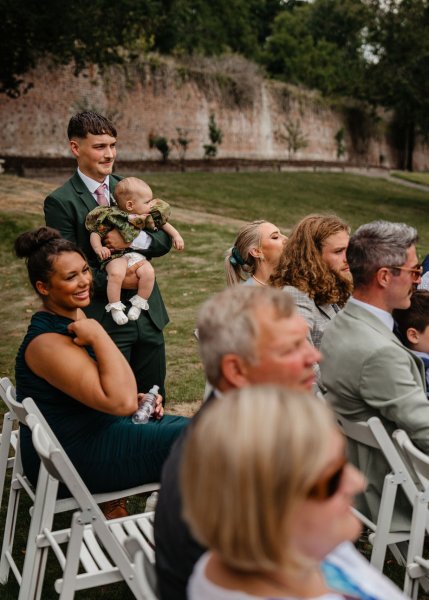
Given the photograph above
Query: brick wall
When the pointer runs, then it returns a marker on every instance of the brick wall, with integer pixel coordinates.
(159, 96)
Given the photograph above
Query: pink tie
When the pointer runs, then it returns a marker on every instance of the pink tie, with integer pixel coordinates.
(101, 196)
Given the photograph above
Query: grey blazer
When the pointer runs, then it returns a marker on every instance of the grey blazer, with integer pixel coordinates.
(368, 372)
(317, 317)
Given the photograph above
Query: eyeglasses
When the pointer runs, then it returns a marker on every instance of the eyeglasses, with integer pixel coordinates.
(328, 486)
(416, 273)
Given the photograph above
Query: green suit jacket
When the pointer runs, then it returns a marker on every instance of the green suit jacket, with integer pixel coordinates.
(66, 209)
(369, 372)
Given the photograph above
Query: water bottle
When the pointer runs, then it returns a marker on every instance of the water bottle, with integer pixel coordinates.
(146, 406)
(151, 502)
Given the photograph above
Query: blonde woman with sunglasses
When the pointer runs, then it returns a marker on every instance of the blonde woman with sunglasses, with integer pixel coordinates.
(268, 489)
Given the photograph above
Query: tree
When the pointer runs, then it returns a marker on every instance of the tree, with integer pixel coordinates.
(216, 137)
(210, 28)
(104, 32)
(398, 76)
(181, 143)
(294, 138)
(318, 45)
(161, 144)
(100, 32)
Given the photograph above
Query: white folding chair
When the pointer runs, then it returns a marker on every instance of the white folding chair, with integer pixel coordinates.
(208, 388)
(374, 435)
(18, 482)
(8, 443)
(417, 566)
(143, 555)
(8, 440)
(95, 553)
(43, 511)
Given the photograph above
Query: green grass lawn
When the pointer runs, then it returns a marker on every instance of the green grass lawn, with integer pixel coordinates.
(187, 278)
(422, 178)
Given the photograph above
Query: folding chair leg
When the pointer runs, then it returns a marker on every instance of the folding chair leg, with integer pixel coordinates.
(383, 524)
(6, 436)
(397, 555)
(415, 546)
(33, 571)
(72, 559)
(9, 529)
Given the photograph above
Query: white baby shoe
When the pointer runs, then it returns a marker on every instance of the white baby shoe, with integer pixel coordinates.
(117, 310)
(138, 304)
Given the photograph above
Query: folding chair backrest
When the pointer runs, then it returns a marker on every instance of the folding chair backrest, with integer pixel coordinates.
(359, 432)
(8, 396)
(55, 460)
(372, 433)
(9, 438)
(145, 570)
(417, 460)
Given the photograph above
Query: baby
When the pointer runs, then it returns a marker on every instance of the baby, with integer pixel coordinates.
(136, 210)
(413, 324)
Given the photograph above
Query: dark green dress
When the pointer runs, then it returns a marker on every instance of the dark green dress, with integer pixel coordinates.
(109, 452)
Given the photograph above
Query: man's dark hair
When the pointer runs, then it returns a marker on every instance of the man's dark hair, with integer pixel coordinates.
(416, 316)
(89, 122)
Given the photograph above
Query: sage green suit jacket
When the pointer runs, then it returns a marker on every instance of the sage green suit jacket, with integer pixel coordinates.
(369, 372)
(66, 209)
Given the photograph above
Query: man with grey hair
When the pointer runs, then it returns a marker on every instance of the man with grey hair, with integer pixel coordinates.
(248, 335)
(366, 369)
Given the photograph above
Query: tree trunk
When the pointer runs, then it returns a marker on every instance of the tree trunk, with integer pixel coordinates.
(410, 144)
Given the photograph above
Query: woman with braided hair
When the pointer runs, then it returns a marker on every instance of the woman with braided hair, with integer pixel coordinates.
(255, 254)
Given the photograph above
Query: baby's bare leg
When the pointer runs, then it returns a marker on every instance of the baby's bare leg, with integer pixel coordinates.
(146, 276)
(116, 270)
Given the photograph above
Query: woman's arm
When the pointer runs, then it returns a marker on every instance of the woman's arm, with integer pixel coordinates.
(107, 385)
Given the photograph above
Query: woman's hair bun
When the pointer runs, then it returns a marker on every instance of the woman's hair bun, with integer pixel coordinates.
(31, 241)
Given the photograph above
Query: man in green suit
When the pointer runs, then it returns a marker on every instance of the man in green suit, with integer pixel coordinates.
(93, 143)
(366, 369)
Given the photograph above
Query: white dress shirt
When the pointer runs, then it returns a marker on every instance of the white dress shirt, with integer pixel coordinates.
(384, 316)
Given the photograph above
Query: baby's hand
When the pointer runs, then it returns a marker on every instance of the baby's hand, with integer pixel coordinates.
(104, 253)
(178, 242)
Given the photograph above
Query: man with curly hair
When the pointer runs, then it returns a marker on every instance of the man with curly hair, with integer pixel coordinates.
(313, 269)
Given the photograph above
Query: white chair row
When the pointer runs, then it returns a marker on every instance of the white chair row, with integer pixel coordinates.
(417, 570)
(373, 434)
(409, 470)
(46, 505)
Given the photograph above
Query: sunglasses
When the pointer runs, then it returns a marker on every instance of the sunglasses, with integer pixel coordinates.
(415, 273)
(328, 486)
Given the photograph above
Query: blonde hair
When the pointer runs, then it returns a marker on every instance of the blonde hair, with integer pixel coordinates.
(301, 264)
(239, 263)
(126, 189)
(250, 458)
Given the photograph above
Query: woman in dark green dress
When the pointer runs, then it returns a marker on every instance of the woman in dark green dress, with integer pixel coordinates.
(80, 380)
